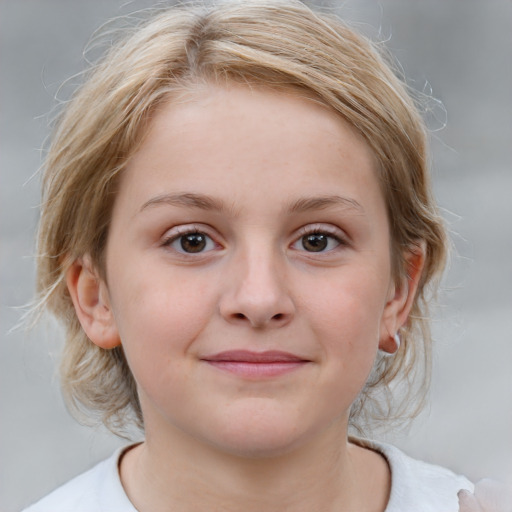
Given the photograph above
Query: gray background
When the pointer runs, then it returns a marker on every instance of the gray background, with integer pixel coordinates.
(459, 48)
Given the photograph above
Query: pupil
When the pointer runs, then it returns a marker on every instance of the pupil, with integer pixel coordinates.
(193, 242)
(315, 242)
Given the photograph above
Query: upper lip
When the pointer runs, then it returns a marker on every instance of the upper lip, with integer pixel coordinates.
(248, 356)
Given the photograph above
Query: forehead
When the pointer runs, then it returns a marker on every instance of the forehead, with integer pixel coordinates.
(229, 140)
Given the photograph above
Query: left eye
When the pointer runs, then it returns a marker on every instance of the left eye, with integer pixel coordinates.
(192, 243)
(317, 242)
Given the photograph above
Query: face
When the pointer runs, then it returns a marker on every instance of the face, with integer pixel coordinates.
(248, 270)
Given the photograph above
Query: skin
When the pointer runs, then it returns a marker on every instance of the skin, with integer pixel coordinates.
(253, 171)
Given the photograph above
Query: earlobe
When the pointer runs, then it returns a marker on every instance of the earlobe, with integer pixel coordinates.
(402, 298)
(90, 297)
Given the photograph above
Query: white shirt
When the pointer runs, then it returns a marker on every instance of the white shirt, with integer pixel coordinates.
(415, 486)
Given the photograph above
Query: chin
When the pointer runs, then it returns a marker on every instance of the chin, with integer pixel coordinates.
(262, 433)
(249, 445)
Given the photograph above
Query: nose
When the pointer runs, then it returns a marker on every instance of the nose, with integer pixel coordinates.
(256, 293)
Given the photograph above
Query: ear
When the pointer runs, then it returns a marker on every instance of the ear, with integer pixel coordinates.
(401, 297)
(90, 297)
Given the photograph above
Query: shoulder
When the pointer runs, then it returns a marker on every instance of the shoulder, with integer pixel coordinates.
(418, 485)
(98, 489)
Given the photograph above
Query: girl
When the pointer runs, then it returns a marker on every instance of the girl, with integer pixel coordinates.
(239, 236)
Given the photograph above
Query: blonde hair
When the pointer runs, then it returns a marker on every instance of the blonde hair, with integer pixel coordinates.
(281, 44)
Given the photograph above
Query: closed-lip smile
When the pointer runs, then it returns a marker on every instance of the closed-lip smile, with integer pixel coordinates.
(249, 364)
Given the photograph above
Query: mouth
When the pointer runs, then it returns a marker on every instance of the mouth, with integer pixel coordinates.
(248, 364)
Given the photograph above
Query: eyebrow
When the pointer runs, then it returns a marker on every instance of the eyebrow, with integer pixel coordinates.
(188, 200)
(205, 202)
(321, 203)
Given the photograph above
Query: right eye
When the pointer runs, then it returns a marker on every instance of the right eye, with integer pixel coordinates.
(193, 242)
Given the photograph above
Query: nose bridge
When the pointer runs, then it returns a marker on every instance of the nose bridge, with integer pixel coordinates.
(258, 291)
(260, 272)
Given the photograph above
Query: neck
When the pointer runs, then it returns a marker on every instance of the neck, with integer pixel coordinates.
(317, 476)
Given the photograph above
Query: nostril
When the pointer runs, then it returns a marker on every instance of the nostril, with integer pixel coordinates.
(241, 316)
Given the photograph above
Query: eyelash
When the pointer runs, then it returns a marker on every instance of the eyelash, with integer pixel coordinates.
(330, 233)
(180, 234)
(307, 231)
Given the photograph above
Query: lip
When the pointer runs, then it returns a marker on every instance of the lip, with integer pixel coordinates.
(249, 364)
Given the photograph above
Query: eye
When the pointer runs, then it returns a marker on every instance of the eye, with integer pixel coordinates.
(318, 241)
(192, 242)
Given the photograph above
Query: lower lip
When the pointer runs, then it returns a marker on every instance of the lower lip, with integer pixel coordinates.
(258, 370)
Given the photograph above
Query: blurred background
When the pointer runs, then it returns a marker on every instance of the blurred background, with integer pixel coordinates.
(460, 51)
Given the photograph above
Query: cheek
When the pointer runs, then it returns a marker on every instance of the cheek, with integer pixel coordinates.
(159, 315)
(347, 316)
(350, 308)
(157, 329)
